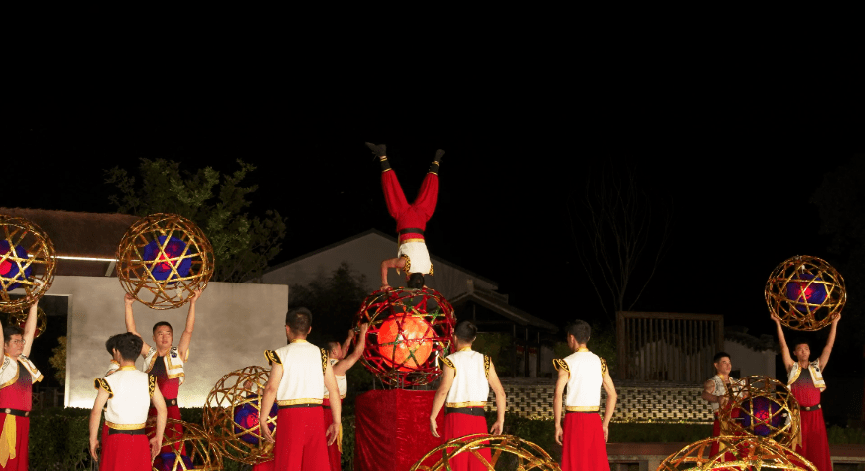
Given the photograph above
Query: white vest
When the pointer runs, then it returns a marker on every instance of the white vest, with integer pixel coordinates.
(129, 392)
(112, 367)
(9, 370)
(416, 257)
(470, 387)
(813, 368)
(303, 376)
(586, 376)
(173, 362)
(340, 382)
(721, 389)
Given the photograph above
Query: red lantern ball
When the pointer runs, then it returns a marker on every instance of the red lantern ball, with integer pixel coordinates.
(405, 342)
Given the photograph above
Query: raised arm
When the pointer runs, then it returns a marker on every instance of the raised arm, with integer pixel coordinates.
(186, 336)
(827, 350)
(348, 339)
(447, 380)
(30, 328)
(128, 300)
(390, 263)
(782, 344)
(561, 382)
(342, 366)
(501, 401)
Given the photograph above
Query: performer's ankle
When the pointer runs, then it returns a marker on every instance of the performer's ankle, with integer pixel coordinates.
(385, 165)
(434, 167)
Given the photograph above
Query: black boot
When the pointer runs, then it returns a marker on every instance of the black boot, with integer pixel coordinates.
(380, 151)
(434, 167)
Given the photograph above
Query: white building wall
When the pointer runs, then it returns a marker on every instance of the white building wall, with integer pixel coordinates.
(234, 324)
(750, 362)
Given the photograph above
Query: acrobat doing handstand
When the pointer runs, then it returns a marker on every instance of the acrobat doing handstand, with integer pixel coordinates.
(412, 256)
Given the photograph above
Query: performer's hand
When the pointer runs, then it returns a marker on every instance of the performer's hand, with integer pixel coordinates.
(332, 434)
(377, 150)
(560, 434)
(128, 299)
(94, 445)
(265, 433)
(776, 318)
(385, 287)
(155, 446)
(439, 154)
(363, 328)
(606, 432)
(836, 318)
(497, 427)
(433, 427)
(195, 295)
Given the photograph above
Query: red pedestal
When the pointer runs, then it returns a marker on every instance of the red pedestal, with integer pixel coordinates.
(392, 429)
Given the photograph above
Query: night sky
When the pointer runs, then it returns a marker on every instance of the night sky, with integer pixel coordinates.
(736, 165)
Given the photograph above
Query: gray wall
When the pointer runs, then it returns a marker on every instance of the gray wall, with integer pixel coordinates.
(750, 362)
(234, 324)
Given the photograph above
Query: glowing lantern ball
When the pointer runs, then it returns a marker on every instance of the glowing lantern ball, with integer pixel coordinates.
(27, 263)
(232, 412)
(165, 462)
(191, 450)
(740, 453)
(163, 259)
(805, 292)
(762, 407)
(409, 331)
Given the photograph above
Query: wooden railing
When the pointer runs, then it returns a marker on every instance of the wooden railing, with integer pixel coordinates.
(660, 346)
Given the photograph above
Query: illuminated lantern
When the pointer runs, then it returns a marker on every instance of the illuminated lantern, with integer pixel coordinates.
(762, 407)
(27, 263)
(9, 269)
(193, 449)
(740, 453)
(165, 462)
(765, 415)
(246, 419)
(169, 261)
(805, 293)
(410, 330)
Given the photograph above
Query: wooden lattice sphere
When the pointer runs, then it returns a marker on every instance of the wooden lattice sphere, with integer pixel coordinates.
(27, 263)
(162, 259)
(20, 318)
(739, 453)
(191, 450)
(508, 451)
(232, 412)
(763, 407)
(805, 292)
(410, 330)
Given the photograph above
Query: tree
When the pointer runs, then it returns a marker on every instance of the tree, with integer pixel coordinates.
(242, 244)
(333, 300)
(617, 231)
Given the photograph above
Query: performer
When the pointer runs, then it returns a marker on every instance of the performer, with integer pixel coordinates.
(17, 375)
(585, 437)
(341, 364)
(168, 370)
(805, 380)
(126, 395)
(466, 380)
(411, 219)
(715, 390)
(298, 378)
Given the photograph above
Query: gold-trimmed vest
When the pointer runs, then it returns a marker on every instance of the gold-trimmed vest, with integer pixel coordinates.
(303, 376)
(586, 377)
(9, 370)
(173, 362)
(340, 381)
(721, 389)
(129, 392)
(813, 368)
(470, 387)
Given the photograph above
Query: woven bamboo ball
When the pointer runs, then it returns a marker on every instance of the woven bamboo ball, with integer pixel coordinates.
(20, 318)
(740, 453)
(508, 451)
(763, 407)
(27, 263)
(162, 259)
(805, 292)
(191, 450)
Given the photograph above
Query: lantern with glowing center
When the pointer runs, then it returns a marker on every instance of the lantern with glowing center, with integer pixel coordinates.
(27, 263)
(192, 450)
(409, 331)
(162, 259)
(740, 453)
(763, 407)
(805, 292)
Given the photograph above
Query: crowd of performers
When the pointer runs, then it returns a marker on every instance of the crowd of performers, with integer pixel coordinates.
(308, 383)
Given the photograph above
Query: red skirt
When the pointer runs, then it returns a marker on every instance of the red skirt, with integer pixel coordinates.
(172, 431)
(124, 452)
(300, 440)
(460, 425)
(815, 444)
(584, 446)
(22, 442)
(266, 466)
(333, 453)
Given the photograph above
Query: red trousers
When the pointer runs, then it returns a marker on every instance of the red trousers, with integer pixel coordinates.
(459, 425)
(266, 466)
(415, 215)
(584, 447)
(172, 431)
(300, 440)
(815, 444)
(22, 443)
(124, 452)
(333, 453)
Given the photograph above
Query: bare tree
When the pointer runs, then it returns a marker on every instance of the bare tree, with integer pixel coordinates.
(616, 229)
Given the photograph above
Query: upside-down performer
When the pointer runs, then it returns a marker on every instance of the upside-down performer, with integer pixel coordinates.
(805, 380)
(297, 380)
(465, 385)
(341, 362)
(17, 375)
(126, 395)
(165, 363)
(585, 438)
(412, 256)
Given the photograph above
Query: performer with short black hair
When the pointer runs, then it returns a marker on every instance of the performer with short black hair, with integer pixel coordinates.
(168, 370)
(805, 380)
(17, 376)
(341, 363)
(412, 256)
(126, 395)
(467, 377)
(717, 390)
(298, 377)
(585, 438)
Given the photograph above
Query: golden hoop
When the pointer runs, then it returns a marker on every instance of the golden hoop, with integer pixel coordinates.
(529, 455)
